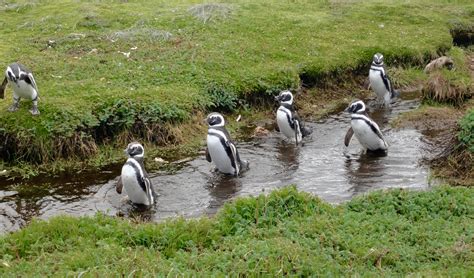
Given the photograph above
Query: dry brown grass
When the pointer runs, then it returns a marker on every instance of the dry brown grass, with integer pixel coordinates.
(456, 165)
(440, 89)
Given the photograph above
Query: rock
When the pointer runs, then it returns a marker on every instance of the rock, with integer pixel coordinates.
(160, 160)
(439, 63)
(260, 132)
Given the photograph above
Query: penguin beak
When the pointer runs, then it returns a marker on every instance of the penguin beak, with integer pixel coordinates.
(277, 98)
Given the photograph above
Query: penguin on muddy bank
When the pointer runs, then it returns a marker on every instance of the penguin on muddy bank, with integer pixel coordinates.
(220, 148)
(288, 121)
(24, 86)
(134, 177)
(380, 82)
(365, 130)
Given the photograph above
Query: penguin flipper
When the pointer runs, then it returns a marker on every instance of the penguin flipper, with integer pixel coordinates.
(2, 87)
(32, 81)
(235, 157)
(386, 81)
(208, 156)
(348, 137)
(149, 189)
(119, 186)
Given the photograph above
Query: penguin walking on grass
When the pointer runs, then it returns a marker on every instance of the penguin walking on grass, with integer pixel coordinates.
(289, 123)
(24, 86)
(135, 178)
(365, 129)
(380, 82)
(220, 148)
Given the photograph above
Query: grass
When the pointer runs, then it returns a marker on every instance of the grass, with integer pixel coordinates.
(108, 70)
(384, 233)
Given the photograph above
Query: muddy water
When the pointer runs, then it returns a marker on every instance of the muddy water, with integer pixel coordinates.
(322, 166)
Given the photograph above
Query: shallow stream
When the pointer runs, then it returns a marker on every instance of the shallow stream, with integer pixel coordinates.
(322, 166)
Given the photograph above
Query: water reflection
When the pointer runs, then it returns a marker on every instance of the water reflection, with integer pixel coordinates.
(365, 172)
(287, 154)
(221, 189)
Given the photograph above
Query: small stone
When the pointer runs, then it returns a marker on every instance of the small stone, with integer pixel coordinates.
(160, 160)
(260, 132)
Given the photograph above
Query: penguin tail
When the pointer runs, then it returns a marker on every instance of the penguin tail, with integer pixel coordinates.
(395, 94)
(244, 165)
(305, 131)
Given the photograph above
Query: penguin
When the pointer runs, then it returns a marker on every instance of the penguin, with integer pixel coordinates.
(135, 178)
(289, 123)
(365, 129)
(24, 86)
(380, 82)
(220, 148)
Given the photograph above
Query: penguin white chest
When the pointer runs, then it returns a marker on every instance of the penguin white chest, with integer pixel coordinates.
(366, 136)
(377, 84)
(219, 155)
(132, 186)
(24, 90)
(283, 118)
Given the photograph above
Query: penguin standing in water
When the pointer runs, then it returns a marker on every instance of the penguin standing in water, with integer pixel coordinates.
(134, 177)
(365, 129)
(288, 120)
(220, 148)
(23, 84)
(380, 82)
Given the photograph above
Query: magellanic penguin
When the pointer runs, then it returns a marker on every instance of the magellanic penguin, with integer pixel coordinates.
(366, 130)
(24, 86)
(220, 148)
(135, 178)
(380, 82)
(288, 120)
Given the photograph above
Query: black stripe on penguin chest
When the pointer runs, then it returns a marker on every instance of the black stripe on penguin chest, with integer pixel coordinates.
(372, 127)
(140, 179)
(289, 116)
(226, 147)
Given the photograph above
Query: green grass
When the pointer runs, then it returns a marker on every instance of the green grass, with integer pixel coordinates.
(91, 93)
(466, 132)
(387, 233)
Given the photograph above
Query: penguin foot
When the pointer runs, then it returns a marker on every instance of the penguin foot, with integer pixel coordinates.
(34, 111)
(244, 165)
(13, 107)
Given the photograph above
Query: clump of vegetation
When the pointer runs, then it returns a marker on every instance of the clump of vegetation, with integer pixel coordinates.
(211, 11)
(396, 232)
(451, 85)
(466, 133)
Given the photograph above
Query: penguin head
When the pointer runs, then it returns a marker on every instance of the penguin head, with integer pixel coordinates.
(356, 107)
(285, 97)
(378, 59)
(11, 75)
(135, 150)
(215, 119)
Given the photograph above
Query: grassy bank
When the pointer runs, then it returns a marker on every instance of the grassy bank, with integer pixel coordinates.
(387, 233)
(112, 71)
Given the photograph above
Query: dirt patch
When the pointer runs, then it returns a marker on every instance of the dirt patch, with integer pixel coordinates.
(316, 103)
(447, 159)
